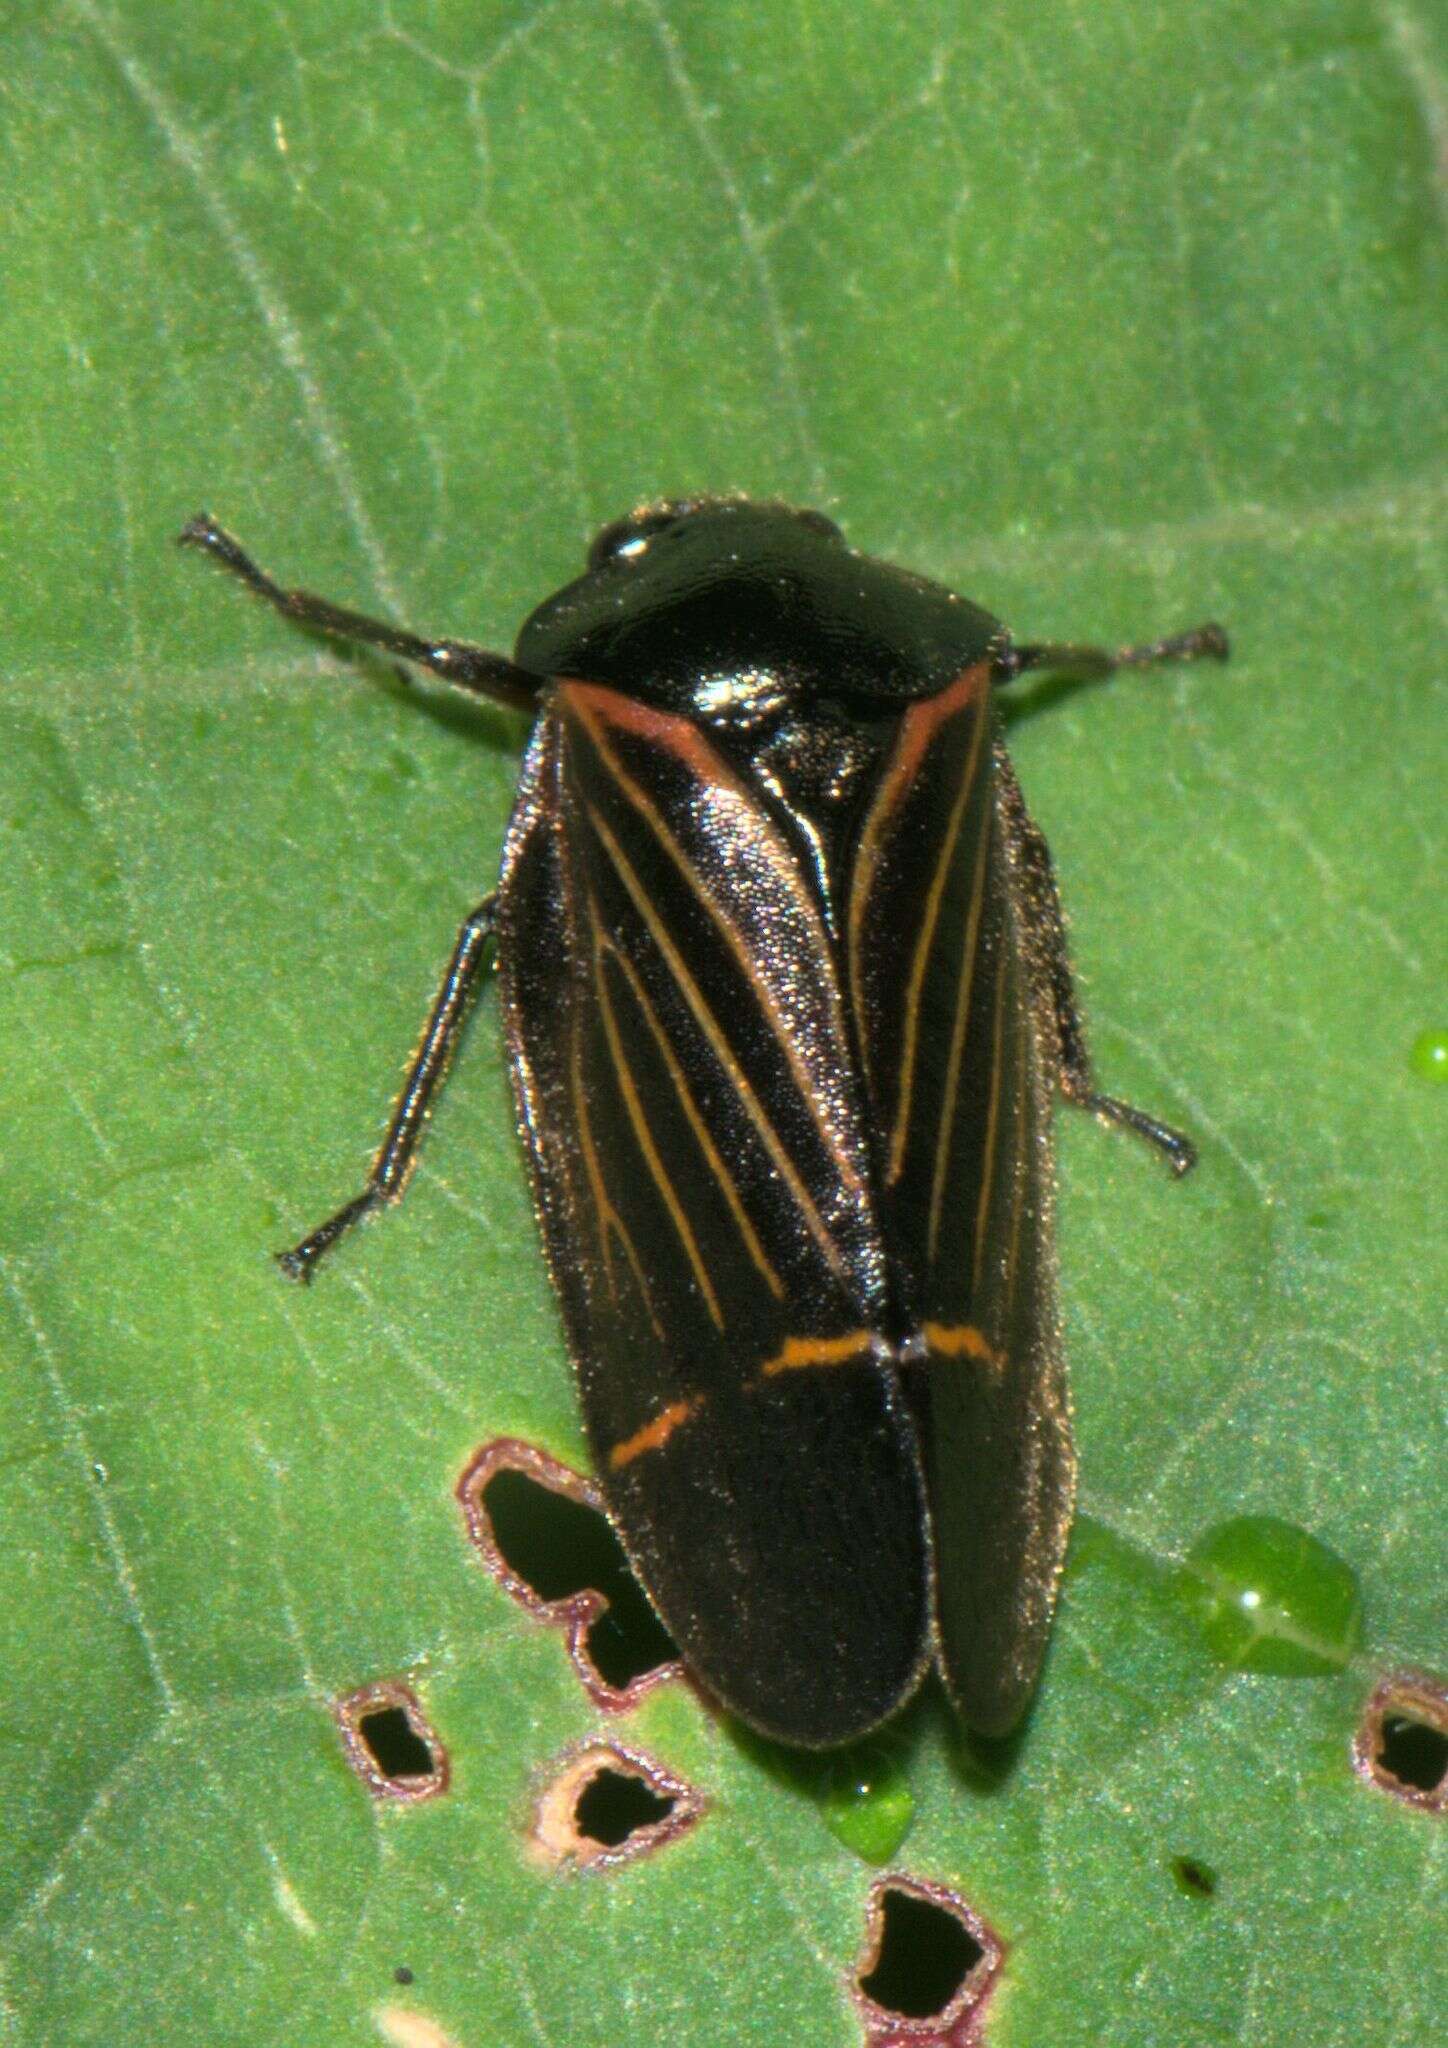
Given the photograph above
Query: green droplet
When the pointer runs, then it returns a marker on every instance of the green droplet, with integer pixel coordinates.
(1429, 1056)
(1270, 1597)
(868, 1804)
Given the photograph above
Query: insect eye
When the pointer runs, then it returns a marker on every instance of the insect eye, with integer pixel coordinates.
(624, 540)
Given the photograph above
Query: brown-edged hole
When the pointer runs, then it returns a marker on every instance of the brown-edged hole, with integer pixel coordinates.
(925, 1955)
(1401, 1745)
(394, 1744)
(614, 1805)
(389, 1742)
(604, 1805)
(560, 1547)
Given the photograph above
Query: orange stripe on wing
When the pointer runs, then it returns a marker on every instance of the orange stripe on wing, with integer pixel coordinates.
(798, 1352)
(992, 1125)
(596, 708)
(918, 731)
(955, 1061)
(1018, 1193)
(723, 1178)
(610, 1223)
(719, 1044)
(652, 1437)
(644, 1137)
(962, 1340)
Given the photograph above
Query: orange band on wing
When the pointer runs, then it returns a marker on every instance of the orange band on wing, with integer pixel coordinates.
(797, 1352)
(653, 1436)
(962, 1340)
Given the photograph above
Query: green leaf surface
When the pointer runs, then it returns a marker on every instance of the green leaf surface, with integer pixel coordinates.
(1114, 318)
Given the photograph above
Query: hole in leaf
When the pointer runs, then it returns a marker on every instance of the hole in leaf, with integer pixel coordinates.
(605, 1805)
(396, 1749)
(562, 1548)
(542, 1532)
(925, 1957)
(389, 1742)
(1402, 1740)
(1413, 1753)
(614, 1805)
(1197, 1879)
(931, 1964)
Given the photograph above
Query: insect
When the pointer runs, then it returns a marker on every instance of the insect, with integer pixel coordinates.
(786, 995)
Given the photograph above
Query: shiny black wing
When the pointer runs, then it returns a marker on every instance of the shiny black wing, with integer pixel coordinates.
(942, 979)
(689, 1096)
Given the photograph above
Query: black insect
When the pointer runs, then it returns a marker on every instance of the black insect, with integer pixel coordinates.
(787, 996)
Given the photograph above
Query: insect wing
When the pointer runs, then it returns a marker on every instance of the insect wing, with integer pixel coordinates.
(942, 979)
(702, 1171)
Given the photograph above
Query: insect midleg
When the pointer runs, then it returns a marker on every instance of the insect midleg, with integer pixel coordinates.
(1040, 897)
(395, 1156)
(455, 661)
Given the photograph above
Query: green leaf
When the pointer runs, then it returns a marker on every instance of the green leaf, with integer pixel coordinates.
(1115, 318)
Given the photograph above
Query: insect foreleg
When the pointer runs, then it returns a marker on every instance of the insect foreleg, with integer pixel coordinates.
(455, 661)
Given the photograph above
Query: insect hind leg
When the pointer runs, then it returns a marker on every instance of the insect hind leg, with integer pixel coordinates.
(397, 1154)
(1055, 983)
(1180, 1152)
